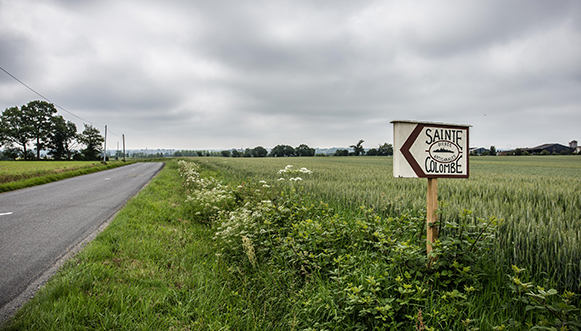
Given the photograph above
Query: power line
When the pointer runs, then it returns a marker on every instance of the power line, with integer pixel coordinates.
(47, 99)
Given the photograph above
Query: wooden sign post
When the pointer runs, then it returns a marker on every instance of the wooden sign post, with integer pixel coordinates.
(431, 215)
(430, 150)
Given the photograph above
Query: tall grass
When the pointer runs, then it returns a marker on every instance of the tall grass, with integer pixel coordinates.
(538, 197)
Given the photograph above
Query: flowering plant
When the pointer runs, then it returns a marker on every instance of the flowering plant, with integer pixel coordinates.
(206, 198)
(291, 172)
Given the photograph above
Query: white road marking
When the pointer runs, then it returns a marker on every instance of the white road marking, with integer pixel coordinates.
(4, 214)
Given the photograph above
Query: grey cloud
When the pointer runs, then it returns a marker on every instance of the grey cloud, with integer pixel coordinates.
(222, 74)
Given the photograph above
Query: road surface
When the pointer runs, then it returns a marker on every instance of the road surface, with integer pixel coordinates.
(41, 224)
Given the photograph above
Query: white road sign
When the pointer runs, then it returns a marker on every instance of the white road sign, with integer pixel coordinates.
(430, 150)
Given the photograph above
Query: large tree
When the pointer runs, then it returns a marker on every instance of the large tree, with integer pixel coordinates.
(39, 115)
(15, 130)
(385, 149)
(62, 138)
(358, 149)
(259, 151)
(236, 153)
(282, 150)
(304, 150)
(93, 141)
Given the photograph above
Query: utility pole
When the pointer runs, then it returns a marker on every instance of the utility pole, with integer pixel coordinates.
(105, 146)
(123, 147)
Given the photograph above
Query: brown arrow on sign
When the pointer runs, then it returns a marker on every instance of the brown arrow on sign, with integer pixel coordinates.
(405, 151)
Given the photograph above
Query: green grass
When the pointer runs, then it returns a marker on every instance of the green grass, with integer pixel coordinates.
(15, 170)
(15, 175)
(152, 269)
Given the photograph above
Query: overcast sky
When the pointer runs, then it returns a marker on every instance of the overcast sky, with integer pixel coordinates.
(231, 74)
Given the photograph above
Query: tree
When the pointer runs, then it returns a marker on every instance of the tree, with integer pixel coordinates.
(225, 153)
(304, 150)
(341, 152)
(259, 151)
(10, 153)
(358, 149)
(62, 138)
(385, 149)
(282, 150)
(93, 141)
(15, 129)
(39, 115)
(492, 150)
(236, 153)
(372, 152)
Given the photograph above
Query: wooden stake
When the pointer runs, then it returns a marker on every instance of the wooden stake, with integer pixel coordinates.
(432, 216)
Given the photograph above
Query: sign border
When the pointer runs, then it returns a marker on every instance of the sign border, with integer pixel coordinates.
(405, 149)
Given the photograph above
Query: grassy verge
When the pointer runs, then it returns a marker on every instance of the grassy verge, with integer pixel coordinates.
(51, 172)
(153, 269)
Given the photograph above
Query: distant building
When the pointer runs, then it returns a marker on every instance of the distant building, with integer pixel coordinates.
(573, 145)
(551, 148)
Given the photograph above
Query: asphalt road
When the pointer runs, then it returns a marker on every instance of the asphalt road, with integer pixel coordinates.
(41, 224)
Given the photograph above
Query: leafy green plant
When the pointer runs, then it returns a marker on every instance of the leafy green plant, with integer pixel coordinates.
(550, 311)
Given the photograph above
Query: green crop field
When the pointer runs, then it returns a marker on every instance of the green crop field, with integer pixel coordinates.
(20, 174)
(538, 197)
(15, 170)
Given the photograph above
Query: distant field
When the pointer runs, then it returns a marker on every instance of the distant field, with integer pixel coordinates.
(20, 174)
(539, 197)
(18, 170)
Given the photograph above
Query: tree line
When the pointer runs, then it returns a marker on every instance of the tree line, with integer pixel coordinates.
(289, 151)
(382, 150)
(37, 124)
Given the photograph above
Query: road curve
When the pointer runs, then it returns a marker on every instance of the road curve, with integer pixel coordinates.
(39, 225)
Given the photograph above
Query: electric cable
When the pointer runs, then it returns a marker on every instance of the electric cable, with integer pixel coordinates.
(58, 106)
